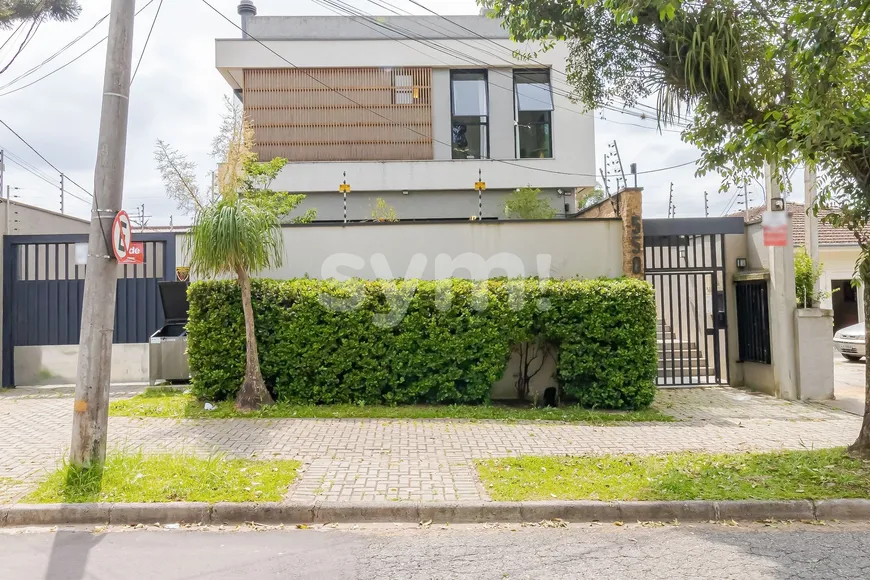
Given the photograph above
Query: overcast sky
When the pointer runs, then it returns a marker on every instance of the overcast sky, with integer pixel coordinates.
(177, 96)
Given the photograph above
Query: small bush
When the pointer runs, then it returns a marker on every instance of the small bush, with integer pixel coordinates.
(806, 274)
(328, 342)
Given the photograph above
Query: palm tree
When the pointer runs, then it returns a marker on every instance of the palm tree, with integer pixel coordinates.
(237, 236)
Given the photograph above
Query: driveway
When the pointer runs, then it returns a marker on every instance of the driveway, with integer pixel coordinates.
(848, 385)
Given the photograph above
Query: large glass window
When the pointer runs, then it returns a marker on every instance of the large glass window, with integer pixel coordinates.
(534, 113)
(470, 109)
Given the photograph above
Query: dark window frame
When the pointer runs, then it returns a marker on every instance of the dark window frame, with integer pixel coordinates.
(484, 119)
(517, 148)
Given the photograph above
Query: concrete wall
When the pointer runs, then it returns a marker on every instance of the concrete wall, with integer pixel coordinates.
(814, 344)
(422, 204)
(57, 365)
(757, 257)
(478, 250)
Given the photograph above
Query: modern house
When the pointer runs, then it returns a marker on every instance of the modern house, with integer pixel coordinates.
(411, 109)
(838, 254)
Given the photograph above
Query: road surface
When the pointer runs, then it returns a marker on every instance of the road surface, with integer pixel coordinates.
(782, 551)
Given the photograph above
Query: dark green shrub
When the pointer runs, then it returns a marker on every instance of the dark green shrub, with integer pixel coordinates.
(323, 342)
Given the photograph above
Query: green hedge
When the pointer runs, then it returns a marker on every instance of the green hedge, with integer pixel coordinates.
(325, 342)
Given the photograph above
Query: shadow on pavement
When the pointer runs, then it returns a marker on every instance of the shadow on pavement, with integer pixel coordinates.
(69, 554)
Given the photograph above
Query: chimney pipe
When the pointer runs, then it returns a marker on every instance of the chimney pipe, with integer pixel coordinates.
(246, 9)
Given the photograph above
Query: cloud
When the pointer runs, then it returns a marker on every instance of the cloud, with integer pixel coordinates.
(177, 95)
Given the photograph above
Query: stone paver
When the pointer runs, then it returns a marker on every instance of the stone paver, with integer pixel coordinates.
(385, 459)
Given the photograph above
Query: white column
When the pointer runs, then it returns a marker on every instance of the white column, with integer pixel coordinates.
(782, 303)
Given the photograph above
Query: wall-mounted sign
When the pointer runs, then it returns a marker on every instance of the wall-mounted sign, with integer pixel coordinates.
(774, 224)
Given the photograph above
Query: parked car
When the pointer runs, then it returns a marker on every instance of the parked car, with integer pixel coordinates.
(850, 341)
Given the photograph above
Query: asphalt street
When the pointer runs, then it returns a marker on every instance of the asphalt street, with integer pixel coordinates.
(780, 551)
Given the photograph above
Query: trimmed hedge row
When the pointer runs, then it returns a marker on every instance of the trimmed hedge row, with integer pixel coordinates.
(325, 342)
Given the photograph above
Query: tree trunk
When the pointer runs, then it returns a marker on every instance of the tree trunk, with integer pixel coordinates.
(253, 395)
(861, 447)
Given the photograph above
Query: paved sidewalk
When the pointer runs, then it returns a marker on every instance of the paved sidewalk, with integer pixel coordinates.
(422, 460)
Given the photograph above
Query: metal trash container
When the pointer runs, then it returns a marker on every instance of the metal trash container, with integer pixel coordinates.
(167, 352)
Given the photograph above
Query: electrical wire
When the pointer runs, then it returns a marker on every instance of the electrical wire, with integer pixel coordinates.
(361, 106)
(41, 156)
(12, 35)
(489, 40)
(55, 55)
(147, 38)
(28, 168)
(342, 8)
(60, 68)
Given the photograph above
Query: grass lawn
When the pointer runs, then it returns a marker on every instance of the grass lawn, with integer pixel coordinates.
(170, 403)
(823, 474)
(168, 478)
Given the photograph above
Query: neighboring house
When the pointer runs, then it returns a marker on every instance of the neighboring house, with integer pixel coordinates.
(838, 254)
(411, 109)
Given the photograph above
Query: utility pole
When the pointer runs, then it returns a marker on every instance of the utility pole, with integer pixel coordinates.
(61, 192)
(745, 203)
(812, 220)
(91, 405)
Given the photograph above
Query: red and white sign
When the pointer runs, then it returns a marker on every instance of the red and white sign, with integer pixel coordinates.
(122, 236)
(135, 254)
(774, 224)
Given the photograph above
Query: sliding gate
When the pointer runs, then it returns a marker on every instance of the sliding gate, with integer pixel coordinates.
(43, 287)
(685, 263)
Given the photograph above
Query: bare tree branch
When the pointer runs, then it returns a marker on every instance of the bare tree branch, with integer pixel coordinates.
(179, 177)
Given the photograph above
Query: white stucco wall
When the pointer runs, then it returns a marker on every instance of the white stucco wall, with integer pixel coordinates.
(556, 248)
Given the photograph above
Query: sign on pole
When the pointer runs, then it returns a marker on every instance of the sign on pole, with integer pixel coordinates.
(774, 224)
(122, 235)
(135, 254)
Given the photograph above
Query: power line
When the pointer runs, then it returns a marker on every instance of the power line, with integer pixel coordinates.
(41, 156)
(55, 55)
(147, 38)
(360, 105)
(489, 40)
(342, 8)
(60, 68)
(46, 180)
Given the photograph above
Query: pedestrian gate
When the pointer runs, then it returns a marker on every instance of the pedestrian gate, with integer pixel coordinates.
(43, 287)
(685, 262)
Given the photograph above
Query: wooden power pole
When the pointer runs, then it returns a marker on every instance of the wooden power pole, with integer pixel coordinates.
(91, 406)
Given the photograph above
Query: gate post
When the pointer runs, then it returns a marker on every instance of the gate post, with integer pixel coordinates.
(631, 212)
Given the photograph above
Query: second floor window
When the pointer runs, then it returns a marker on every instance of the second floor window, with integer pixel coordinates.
(534, 102)
(470, 109)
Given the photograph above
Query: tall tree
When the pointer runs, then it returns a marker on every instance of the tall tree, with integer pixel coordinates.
(238, 232)
(781, 82)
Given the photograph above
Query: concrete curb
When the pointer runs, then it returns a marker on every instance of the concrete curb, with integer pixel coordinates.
(437, 512)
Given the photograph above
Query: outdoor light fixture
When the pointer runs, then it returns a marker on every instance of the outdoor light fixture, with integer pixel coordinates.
(405, 193)
(741, 263)
(777, 204)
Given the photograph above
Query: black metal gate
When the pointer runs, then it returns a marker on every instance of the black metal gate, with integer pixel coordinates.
(43, 287)
(685, 262)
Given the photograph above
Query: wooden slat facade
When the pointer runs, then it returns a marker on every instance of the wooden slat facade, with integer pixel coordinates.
(296, 117)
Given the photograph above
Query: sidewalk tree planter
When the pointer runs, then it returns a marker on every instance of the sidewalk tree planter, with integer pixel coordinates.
(414, 341)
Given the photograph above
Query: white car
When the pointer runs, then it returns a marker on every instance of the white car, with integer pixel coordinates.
(850, 341)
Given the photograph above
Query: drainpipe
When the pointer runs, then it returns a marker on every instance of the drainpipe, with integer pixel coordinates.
(246, 10)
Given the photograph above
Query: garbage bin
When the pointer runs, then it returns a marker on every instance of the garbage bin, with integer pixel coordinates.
(167, 352)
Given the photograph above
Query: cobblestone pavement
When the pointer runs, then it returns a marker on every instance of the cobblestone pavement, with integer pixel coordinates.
(383, 459)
